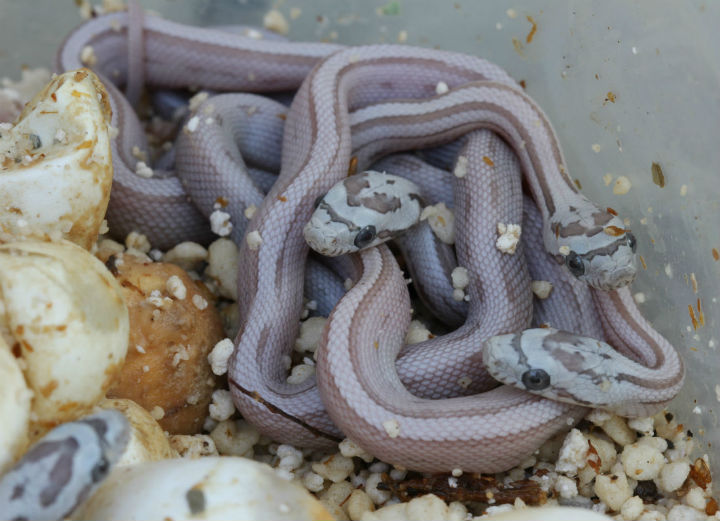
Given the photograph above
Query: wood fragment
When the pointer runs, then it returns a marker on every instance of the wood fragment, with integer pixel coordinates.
(701, 315)
(691, 311)
(657, 175)
(533, 29)
(468, 487)
(352, 167)
(700, 473)
(614, 231)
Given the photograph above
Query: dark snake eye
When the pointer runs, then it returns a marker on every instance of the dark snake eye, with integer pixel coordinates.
(365, 236)
(535, 379)
(631, 241)
(575, 264)
(100, 470)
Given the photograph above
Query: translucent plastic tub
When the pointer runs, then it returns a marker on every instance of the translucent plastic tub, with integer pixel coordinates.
(626, 84)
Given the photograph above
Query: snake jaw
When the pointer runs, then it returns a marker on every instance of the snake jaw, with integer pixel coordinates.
(327, 237)
(502, 358)
(362, 211)
(613, 272)
(595, 247)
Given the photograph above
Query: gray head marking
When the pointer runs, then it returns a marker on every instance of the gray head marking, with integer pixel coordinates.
(362, 211)
(64, 467)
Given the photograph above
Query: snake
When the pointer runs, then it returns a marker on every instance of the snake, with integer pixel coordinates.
(359, 383)
(64, 468)
(610, 357)
(315, 157)
(386, 94)
(136, 49)
(361, 211)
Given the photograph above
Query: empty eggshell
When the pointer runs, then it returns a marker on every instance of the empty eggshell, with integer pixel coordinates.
(148, 441)
(55, 163)
(65, 317)
(211, 488)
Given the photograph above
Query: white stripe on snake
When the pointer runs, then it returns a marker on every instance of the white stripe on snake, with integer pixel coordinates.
(316, 152)
(357, 378)
(592, 242)
(372, 89)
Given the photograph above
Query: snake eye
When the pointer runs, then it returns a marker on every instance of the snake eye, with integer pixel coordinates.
(535, 379)
(100, 470)
(365, 236)
(575, 264)
(631, 241)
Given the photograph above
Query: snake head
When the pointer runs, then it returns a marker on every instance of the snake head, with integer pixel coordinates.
(556, 364)
(595, 247)
(361, 211)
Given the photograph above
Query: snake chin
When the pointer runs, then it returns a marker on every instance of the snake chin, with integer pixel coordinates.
(614, 277)
(501, 360)
(327, 236)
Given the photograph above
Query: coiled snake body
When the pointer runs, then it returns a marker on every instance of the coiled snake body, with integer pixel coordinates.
(368, 102)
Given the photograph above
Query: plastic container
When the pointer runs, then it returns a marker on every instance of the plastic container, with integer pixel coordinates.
(626, 84)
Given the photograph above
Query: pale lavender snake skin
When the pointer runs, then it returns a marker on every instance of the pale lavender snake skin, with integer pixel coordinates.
(257, 376)
(386, 95)
(315, 157)
(642, 371)
(365, 334)
(175, 56)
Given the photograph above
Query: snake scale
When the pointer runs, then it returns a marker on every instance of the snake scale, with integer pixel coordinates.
(355, 107)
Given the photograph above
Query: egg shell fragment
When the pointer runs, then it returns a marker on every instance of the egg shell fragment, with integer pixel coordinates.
(65, 317)
(211, 488)
(55, 163)
(14, 408)
(148, 441)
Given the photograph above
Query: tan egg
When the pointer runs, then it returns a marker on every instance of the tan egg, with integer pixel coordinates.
(148, 441)
(173, 327)
(211, 488)
(65, 317)
(55, 163)
(14, 408)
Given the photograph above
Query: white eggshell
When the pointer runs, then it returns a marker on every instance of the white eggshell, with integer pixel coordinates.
(212, 488)
(14, 408)
(55, 163)
(65, 316)
(550, 514)
(147, 439)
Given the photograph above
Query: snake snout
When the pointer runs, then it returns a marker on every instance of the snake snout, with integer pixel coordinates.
(316, 239)
(626, 276)
(618, 278)
(324, 239)
(495, 354)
